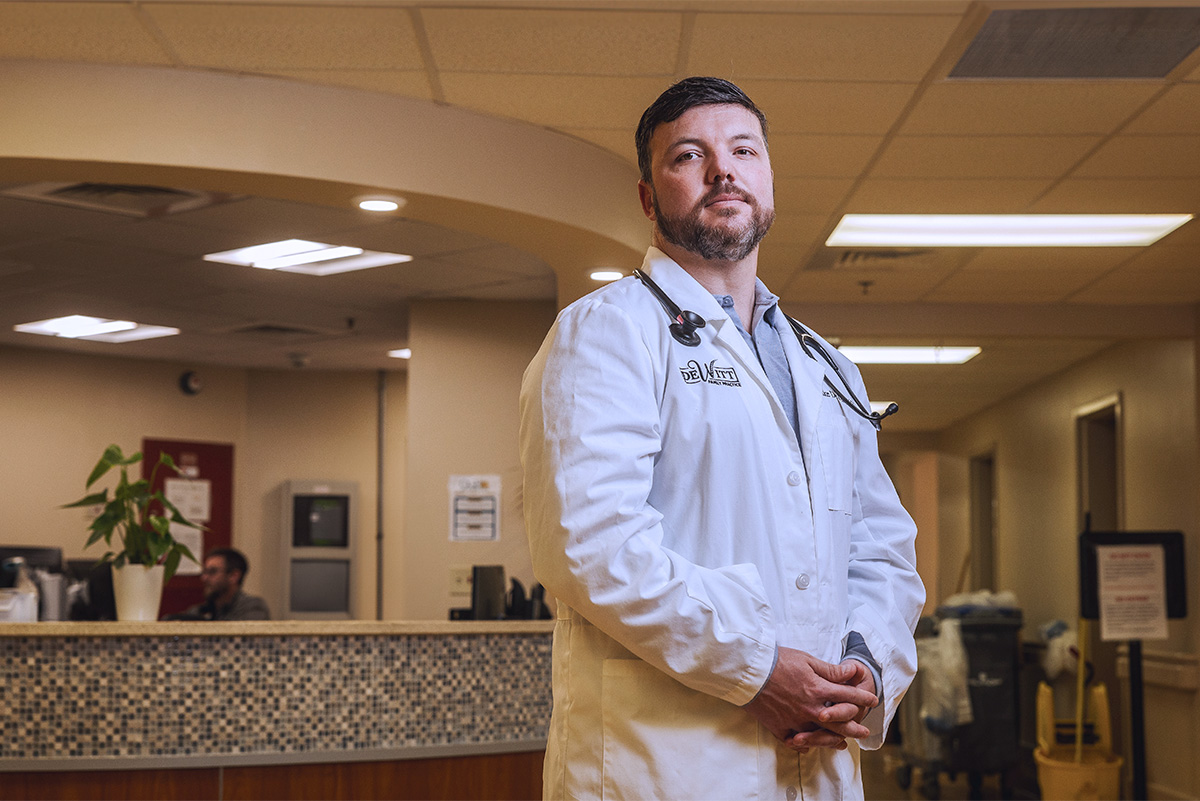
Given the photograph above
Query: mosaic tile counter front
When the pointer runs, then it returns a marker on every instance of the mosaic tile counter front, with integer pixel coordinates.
(268, 692)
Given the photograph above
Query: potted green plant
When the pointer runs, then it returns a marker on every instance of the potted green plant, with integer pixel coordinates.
(147, 555)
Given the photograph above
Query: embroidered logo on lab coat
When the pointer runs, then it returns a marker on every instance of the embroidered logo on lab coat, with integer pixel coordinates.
(696, 373)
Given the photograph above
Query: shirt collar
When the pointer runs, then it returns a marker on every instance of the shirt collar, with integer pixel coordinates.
(765, 303)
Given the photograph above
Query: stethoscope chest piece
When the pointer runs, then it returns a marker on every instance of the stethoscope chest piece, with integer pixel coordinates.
(685, 322)
(684, 329)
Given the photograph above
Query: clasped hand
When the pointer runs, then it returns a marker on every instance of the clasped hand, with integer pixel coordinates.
(809, 703)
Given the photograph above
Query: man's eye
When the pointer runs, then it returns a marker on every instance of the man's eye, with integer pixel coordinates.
(687, 156)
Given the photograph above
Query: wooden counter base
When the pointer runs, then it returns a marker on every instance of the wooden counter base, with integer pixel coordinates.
(503, 777)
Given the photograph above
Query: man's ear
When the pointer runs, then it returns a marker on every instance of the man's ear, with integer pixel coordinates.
(646, 196)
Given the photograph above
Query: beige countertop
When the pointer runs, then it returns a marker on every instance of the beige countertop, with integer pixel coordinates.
(273, 628)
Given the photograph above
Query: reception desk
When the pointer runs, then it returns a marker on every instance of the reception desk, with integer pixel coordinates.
(346, 709)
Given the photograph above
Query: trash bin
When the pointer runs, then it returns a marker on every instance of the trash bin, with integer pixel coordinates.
(990, 743)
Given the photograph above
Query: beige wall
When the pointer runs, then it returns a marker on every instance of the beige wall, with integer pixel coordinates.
(1033, 438)
(464, 379)
(58, 412)
(322, 426)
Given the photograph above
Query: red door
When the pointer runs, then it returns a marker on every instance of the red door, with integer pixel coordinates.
(206, 476)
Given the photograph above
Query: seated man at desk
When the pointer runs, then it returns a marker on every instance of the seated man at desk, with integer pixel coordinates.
(224, 570)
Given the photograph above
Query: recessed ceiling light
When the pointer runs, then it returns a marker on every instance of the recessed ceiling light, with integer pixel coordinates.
(1003, 230)
(908, 355)
(95, 329)
(381, 203)
(309, 258)
(606, 275)
(401, 353)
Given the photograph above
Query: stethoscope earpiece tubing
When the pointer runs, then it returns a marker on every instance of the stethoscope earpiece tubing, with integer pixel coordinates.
(683, 328)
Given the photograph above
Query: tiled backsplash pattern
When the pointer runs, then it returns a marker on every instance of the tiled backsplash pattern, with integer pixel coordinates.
(177, 696)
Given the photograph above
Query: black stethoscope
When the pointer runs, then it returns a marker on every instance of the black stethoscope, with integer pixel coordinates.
(684, 324)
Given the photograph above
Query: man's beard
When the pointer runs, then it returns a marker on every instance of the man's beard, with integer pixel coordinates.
(715, 243)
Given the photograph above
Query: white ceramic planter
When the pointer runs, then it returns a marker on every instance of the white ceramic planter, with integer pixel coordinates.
(138, 591)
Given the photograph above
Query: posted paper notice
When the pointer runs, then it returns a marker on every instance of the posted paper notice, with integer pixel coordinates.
(1133, 592)
(474, 508)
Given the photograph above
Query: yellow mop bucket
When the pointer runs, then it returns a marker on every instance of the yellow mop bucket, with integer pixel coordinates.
(1074, 758)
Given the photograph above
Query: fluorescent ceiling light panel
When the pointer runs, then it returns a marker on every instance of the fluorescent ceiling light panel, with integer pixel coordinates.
(908, 355)
(96, 329)
(606, 275)
(401, 353)
(1003, 230)
(306, 257)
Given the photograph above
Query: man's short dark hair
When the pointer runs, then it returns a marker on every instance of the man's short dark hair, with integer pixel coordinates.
(234, 560)
(682, 96)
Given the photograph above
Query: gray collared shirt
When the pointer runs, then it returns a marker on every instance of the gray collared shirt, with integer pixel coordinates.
(768, 347)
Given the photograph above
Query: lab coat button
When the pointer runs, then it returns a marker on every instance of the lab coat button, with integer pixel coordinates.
(791, 793)
(794, 478)
(802, 581)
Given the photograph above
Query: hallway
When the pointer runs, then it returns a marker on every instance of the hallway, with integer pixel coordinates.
(879, 780)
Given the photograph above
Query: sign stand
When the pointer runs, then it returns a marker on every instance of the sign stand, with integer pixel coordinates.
(1132, 582)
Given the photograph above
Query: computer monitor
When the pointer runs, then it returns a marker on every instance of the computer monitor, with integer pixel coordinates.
(99, 603)
(487, 592)
(320, 521)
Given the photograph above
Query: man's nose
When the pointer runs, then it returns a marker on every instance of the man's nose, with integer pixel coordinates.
(720, 169)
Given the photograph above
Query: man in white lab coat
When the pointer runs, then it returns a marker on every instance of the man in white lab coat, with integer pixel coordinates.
(735, 576)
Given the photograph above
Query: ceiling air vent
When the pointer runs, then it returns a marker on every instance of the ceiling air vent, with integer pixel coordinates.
(873, 259)
(1081, 43)
(278, 330)
(130, 200)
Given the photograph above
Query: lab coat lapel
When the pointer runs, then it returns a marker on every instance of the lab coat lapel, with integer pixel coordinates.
(688, 293)
(808, 377)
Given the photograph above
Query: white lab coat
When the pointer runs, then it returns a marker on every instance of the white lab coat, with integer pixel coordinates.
(686, 536)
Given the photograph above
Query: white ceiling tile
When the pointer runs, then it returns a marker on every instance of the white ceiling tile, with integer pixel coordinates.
(1163, 258)
(553, 41)
(829, 108)
(1025, 107)
(820, 156)
(843, 47)
(945, 196)
(308, 37)
(793, 228)
(1176, 112)
(1010, 286)
(1144, 157)
(980, 156)
(1125, 287)
(846, 285)
(558, 101)
(810, 196)
(1118, 196)
(91, 32)
(618, 141)
(409, 83)
(1009, 261)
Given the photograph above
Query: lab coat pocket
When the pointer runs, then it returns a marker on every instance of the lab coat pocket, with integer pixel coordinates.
(837, 459)
(663, 740)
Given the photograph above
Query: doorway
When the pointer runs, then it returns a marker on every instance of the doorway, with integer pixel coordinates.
(983, 522)
(1098, 437)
